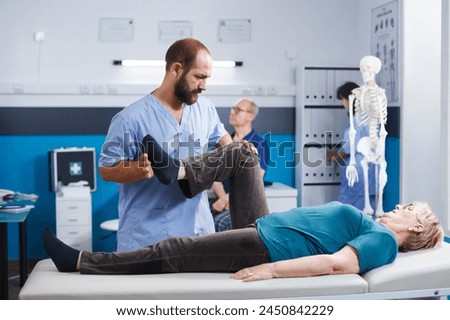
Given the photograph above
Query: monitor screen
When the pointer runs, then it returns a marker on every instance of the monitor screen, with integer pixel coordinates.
(71, 165)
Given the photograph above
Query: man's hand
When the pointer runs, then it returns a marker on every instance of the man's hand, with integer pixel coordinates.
(250, 146)
(221, 204)
(128, 171)
(145, 165)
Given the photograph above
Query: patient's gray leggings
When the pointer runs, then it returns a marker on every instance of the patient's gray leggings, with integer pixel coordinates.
(226, 251)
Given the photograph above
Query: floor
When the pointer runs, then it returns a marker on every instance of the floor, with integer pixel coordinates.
(14, 278)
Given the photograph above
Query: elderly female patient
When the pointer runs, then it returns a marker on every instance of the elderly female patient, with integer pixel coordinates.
(330, 239)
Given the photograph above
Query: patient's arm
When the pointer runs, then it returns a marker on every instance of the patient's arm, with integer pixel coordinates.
(128, 171)
(343, 261)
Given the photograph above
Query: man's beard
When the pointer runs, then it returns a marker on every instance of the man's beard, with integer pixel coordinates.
(183, 93)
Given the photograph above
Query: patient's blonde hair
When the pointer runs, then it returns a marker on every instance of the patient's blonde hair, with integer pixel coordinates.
(432, 233)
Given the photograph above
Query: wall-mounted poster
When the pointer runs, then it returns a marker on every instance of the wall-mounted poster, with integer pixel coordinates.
(116, 30)
(171, 31)
(234, 30)
(384, 45)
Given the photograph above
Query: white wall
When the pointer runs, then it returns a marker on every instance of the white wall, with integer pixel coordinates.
(420, 80)
(444, 186)
(421, 109)
(71, 57)
(319, 31)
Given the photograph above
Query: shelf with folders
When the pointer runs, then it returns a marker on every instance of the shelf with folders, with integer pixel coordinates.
(321, 121)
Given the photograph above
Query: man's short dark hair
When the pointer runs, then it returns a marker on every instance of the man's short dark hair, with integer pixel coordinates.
(184, 51)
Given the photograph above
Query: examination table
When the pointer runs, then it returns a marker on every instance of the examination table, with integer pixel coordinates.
(419, 274)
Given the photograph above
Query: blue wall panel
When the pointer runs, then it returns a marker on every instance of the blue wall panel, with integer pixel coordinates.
(24, 168)
(281, 166)
(392, 188)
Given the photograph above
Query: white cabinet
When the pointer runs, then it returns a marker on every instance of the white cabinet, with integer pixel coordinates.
(280, 197)
(74, 217)
(320, 124)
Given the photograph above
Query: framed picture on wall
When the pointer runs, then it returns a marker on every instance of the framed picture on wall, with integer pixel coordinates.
(234, 30)
(171, 31)
(384, 45)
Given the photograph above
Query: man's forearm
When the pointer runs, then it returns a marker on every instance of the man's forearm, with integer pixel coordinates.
(124, 172)
(219, 190)
(226, 139)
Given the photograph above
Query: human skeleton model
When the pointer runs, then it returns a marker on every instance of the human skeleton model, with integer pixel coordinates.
(370, 110)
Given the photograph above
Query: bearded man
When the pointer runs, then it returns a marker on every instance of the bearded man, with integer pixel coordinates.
(185, 125)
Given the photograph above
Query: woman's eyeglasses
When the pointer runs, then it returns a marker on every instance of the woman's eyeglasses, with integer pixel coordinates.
(410, 207)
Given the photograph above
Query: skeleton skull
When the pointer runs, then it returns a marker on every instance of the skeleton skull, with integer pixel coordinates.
(369, 66)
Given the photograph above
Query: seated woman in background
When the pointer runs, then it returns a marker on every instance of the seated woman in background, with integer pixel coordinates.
(334, 238)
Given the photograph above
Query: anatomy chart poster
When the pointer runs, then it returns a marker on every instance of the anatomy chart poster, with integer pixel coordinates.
(384, 45)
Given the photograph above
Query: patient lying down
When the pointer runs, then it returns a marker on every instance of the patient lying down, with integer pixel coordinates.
(330, 239)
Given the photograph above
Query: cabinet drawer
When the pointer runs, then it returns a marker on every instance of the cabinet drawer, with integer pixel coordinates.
(79, 243)
(281, 204)
(77, 219)
(73, 232)
(73, 206)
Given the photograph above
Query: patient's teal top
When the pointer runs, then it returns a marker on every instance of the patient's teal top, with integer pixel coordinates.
(325, 230)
